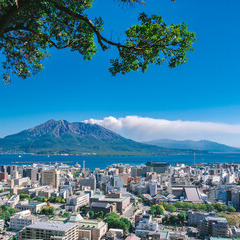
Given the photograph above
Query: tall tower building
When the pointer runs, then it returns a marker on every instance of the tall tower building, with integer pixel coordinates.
(50, 177)
(31, 173)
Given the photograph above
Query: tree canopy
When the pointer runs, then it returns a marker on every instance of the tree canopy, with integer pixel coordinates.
(28, 28)
(6, 212)
(114, 221)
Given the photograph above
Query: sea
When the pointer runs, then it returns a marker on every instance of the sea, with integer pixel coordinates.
(102, 162)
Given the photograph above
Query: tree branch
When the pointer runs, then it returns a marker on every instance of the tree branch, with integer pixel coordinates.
(12, 11)
(86, 20)
(36, 33)
(100, 38)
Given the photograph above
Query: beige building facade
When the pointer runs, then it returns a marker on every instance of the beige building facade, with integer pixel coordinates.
(50, 177)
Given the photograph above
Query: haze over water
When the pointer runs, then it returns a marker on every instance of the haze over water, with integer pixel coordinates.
(101, 162)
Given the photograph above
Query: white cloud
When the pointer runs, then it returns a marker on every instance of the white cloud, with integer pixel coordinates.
(145, 129)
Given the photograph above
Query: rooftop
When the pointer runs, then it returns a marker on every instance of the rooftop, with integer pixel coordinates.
(52, 226)
(100, 204)
(91, 224)
(102, 197)
(192, 194)
(97, 196)
(75, 218)
(219, 219)
(133, 237)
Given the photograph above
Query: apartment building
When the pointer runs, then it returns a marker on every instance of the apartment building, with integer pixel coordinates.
(195, 217)
(50, 231)
(88, 182)
(22, 219)
(214, 226)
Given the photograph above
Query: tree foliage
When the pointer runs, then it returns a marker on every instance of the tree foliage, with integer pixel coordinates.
(175, 219)
(6, 212)
(156, 210)
(66, 215)
(91, 214)
(205, 207)
(25, 197)
(28, 28)
(114, 221)
(57, 199)
(48, 210)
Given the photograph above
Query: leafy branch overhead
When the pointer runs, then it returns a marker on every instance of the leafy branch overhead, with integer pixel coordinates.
(28, 28)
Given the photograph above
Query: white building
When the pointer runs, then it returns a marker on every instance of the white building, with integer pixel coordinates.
(153, 188)
(33, 207)
(118, 182)
(75, 202)
(22, 181)
(230, 178)
(146, 226)
(22, 219)
(1, 224)
(195, 217)
(12, 202)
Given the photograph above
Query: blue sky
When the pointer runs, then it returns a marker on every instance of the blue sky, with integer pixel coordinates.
(204, 89)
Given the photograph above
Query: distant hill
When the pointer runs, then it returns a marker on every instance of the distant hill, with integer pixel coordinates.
(202, 145)
(62, 137)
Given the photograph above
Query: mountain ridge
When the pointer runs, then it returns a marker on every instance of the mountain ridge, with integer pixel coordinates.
(77, 138)
(201, 145)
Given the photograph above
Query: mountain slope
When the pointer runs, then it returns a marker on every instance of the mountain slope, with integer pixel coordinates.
(202, 145)
(62, 137)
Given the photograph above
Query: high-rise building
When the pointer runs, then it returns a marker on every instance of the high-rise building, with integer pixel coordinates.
(11, 168)
(153, 188)
(14, 174)
(8, 168)
(138, 171)
(50, 177)
(3, 168)
(31, 173)
(214, 226)
(88, 182)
